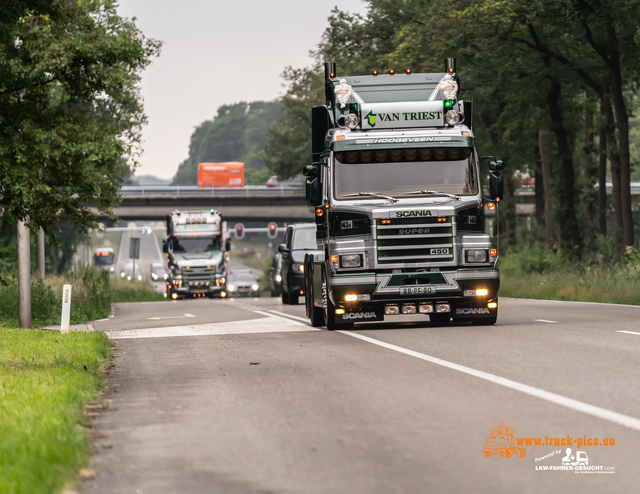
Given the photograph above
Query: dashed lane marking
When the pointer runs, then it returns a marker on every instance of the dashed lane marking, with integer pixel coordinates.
(284, 314)
(269, 324)
(628, 332)
(545, 320)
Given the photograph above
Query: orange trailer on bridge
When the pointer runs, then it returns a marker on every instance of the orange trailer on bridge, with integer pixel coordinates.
(230, 174)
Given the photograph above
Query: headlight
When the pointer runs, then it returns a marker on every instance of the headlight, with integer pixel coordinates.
(139, 277)
(231, 288)
(351, 121)
(298, 267)
(166, 276)
(351, 261)
(128, 278)
(278, 278)
(112, 269)
(154, 276)
(453, 117)
(121, 275)
(477, 255)
(254, 287)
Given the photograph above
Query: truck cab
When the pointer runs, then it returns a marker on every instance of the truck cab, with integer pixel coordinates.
(196, 254)
(395, 184)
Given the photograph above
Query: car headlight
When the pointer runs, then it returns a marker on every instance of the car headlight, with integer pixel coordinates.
(154, 276)
(278, 278)
(231, 288)
(112, 269)
(298, 267)
(166, 276)
(255, 286)
(128, 278)
(139, 277)
(351, 261)
(121, 275)
(477, 255)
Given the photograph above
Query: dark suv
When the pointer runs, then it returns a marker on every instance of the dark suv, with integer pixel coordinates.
(298, 240)
(275, 275)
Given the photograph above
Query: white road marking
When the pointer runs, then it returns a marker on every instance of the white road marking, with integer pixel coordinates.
(170, 317)
(101, 320)
(628, 332)
(303, 319)
(603, 413)
(268, 324)
(544, 320)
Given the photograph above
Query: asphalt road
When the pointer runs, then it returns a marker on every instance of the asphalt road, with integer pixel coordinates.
(239, 396)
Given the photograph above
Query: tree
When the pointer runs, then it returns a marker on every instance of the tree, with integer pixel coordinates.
(238, 132)
(70, 110)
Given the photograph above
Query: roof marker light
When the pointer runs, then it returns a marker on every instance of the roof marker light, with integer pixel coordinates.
(408, 71)
(375, 73)
(392, 72)
(332, 75)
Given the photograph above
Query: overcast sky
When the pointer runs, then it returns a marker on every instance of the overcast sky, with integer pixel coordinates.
(214, 53)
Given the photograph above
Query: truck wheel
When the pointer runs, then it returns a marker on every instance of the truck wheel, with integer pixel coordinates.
(285, 297)
(485, 321)
(485, 453)
(507, 453)
(521, 453)
(293, 298)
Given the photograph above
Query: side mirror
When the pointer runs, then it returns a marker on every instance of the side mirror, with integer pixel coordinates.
(495, 185)
(227, 245)
(312, 170)
(283, 248)
(165, 247)
(313, 191)
(496, 165)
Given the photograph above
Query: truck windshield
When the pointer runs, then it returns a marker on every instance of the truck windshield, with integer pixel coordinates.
(196, 245)
(104, 258)
(304, 239)
(394, 172)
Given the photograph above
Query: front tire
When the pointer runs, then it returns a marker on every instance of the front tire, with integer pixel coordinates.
(285, 297)
(329, 309)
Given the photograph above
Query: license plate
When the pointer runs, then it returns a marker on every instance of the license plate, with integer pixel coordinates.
(418, 290)
(436, 252)
(199, 291)
(243, 291)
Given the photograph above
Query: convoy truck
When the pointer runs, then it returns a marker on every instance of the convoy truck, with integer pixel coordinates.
(395, 183)
(221, 175)
(196, 254)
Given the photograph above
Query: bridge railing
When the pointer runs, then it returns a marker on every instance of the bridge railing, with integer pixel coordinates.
(194, 190)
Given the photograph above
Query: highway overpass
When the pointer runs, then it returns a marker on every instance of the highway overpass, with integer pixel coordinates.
(249, 203)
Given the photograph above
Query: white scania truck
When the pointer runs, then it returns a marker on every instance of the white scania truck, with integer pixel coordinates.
(395, 184)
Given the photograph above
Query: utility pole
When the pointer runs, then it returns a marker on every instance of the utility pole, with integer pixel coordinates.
(24, 276)
(40, 252)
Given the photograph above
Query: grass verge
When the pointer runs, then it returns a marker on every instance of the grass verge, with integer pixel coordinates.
(46, 379)
(126, 291)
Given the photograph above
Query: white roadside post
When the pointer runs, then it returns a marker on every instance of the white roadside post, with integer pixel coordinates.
(66, 309)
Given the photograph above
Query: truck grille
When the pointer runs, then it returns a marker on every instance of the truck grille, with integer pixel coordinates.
(415, 240)
(199, 273)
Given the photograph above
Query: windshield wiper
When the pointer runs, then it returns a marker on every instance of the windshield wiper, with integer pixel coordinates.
(435, 192)
(374, 194)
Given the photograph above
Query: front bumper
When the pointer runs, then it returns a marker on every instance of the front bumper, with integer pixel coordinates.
(455, 290)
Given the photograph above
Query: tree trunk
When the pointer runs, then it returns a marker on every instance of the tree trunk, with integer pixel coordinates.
(539, 191)
(588, 171)
(622, 120)
(548, 192)
(570, 233)
(602, 183)
(614, 163)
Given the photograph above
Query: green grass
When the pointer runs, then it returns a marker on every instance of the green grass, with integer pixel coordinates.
(127, 291)
(604, 285)
(46, 379)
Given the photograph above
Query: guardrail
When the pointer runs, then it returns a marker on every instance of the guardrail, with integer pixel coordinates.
(194, 190)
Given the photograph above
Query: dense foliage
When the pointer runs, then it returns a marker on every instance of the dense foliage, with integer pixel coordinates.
(554, 85)
(237, 133)
(70, 112)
